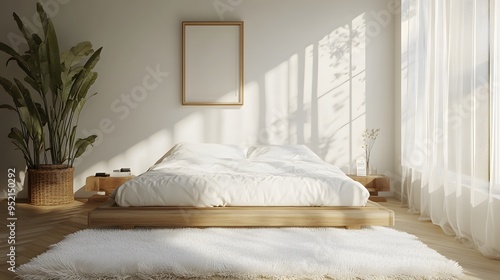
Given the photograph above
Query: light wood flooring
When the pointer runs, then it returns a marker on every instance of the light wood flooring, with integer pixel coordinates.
(39, 227)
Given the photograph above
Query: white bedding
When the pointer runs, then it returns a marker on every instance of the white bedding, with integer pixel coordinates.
(209, 175)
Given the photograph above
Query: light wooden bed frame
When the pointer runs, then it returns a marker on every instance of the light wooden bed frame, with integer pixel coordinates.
(111, 215)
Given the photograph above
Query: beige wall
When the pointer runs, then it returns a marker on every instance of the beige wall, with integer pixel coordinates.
(316, 73)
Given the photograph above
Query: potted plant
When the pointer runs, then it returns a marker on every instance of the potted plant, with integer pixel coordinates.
(48, 102)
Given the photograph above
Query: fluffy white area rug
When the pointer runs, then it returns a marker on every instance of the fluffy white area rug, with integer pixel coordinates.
(277, 253)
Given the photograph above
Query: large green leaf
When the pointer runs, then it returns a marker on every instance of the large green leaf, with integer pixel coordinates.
(16, 56)
(43, 62)
(68, 81)
(72, 138)
(32, 123)
(20, 141)
(22, 28)
(77, 107)
(16, 135)
(54, 59)
(36, 38)
(33, 59)
(31, 113)
(43, 16)
(51, 50)
(70, 60)
(85, 86)
(13, 91)
(8, 107)
(27, 98)
(32, 40)
(92, 61)
(82, 76)
(42, 115)
(32, 83)
(68, 108)
(76, 54)
(81, 145)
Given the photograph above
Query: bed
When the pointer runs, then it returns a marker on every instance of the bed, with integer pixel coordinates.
(216, 185)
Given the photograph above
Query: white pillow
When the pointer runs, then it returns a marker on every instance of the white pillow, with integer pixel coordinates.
(282, 152)
(185, 150)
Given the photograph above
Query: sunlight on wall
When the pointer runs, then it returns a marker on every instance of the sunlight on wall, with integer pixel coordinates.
(277, 104)
(295, 121)
(318, 97)
(191, 127)
(307, 97)
(140, 157)
(342, 92)
(247, 125)
(305, 81)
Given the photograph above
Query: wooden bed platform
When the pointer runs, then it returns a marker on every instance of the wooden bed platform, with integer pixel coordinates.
(111, 215)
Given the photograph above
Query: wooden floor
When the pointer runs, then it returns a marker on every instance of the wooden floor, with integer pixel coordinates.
(39, 227)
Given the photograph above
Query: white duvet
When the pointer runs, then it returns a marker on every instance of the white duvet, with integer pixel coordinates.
(210, 175)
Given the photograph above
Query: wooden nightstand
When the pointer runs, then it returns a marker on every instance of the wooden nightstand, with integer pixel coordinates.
(374, 184)
(103, 184)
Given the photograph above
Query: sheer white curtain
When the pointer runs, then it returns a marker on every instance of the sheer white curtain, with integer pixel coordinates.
(450, 119)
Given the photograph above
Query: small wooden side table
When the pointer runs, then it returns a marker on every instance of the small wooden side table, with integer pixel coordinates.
(103, 184)
(374, 184)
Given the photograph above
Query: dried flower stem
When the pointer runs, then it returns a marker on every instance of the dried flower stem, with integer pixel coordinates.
(369, 137)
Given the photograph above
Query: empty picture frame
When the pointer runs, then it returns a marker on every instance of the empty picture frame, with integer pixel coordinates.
(212, 63)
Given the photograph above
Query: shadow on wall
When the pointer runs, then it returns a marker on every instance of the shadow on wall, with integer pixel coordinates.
(309, 89)
(318, 96)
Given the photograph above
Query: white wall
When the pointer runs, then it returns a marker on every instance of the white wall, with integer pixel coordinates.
(398, 65)
(316, 73)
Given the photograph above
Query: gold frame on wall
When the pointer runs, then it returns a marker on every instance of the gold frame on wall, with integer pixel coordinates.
(212, 63)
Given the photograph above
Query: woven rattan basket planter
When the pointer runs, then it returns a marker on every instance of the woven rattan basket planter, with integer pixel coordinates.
(50, 185)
